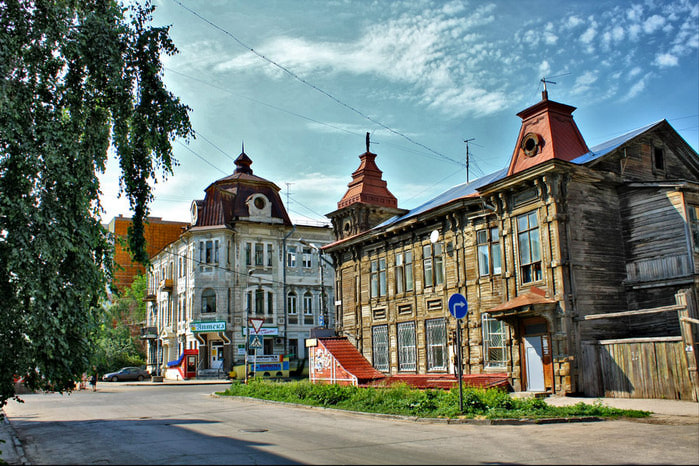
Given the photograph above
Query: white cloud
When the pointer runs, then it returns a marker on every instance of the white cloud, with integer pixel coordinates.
(635, 13)
(636, 88)
(664, 60)
(589, 34)
(544, 68)
(584, 82)
(653, 23)
(634, 71)
(573, 21)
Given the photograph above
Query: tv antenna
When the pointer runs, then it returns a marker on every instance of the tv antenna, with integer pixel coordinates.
(468, 156)
(545, 93)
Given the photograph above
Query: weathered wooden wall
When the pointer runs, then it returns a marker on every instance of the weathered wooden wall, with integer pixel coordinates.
(637, 368)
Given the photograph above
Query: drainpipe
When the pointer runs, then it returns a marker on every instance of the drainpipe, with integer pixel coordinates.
(286, 310)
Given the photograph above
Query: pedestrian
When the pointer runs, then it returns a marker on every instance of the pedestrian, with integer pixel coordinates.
(93, 379)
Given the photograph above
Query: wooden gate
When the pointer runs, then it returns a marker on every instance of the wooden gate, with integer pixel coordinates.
(658, 367)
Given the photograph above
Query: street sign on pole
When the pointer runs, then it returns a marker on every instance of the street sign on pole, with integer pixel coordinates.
(255, 342)
(256, 324)
(458, 306)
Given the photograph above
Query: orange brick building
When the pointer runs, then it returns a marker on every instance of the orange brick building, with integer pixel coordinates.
(158, 234)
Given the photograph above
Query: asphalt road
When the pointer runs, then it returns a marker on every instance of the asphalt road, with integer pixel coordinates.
(123, 424)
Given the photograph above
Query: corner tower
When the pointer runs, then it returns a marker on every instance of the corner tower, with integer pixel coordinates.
(367, 201)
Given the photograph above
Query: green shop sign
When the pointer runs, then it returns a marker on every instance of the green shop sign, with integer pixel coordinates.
(217, 326)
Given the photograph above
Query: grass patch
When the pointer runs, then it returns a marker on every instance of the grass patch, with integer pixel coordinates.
(402, 400)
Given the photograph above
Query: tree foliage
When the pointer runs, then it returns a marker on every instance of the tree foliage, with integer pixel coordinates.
(78, 78)
(117, 340)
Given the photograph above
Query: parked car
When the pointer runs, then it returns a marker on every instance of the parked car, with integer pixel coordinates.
(126, 373)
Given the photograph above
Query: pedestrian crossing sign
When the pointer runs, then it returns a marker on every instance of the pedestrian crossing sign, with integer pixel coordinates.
(255, 341)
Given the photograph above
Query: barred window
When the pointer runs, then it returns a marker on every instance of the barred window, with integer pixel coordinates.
(493, 342)
(436, 335)
(406, 346)
(379, 340)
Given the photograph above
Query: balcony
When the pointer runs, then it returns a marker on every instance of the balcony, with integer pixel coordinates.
(149, 333)
(166, 285)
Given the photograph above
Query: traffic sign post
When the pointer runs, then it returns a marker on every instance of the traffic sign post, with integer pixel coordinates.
(458, 307)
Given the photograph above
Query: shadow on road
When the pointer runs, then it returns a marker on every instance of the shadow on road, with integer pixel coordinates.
(142, 441)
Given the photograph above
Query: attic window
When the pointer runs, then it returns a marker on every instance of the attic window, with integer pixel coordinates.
(531, 143)
(658, 158)
(260, 202)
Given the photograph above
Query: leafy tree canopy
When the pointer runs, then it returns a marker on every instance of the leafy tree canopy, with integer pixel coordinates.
(78, 78)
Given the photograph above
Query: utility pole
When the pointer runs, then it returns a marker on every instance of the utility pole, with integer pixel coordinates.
(467, 157)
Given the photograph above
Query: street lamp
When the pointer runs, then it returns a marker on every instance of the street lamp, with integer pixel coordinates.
(322, 279)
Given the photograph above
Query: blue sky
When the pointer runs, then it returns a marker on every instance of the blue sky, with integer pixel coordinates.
(420, 76)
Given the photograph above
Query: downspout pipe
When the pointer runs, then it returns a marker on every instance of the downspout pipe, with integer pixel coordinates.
(284, 298)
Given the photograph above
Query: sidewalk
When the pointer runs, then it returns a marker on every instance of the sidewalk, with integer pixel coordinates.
(689, 410)
(11, 450)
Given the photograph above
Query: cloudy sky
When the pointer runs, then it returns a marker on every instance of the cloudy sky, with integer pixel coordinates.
(300, 84)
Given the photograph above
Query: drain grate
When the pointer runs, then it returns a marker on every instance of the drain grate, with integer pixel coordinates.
(253, 431)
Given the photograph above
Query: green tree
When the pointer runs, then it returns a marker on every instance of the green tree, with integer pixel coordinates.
(78, 78)
(117, 340)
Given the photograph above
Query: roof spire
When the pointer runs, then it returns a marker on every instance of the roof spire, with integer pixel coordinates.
(243, 162)
(367, 141)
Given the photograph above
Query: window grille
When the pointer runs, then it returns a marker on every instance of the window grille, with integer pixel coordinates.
(493, 342)
(379, 338)
(436, 335)
(406, 346)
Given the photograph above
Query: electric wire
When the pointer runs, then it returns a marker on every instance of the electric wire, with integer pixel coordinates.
(314, 87)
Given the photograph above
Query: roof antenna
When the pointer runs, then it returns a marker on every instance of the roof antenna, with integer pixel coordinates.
(545, 93)
(467, 156)
(243, 148)
(367, 141)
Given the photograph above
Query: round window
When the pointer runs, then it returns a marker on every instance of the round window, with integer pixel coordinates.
(260, 203)
(531, 144)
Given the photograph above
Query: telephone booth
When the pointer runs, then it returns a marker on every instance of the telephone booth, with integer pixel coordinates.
(189, 363)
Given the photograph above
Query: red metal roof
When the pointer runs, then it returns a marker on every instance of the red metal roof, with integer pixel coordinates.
(533, 296)
(351, 359)
(558, 135)
(367, 186)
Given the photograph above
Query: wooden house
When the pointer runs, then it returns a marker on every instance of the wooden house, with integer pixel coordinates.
(559, 254)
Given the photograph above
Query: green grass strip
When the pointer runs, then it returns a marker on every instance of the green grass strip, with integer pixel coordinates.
(400, 399)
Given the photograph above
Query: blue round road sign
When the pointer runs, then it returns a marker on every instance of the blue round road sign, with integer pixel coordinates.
(458, 306)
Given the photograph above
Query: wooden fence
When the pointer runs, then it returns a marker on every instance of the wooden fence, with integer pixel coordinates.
(657, 367)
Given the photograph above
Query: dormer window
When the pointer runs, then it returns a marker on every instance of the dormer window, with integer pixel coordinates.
(259, 206)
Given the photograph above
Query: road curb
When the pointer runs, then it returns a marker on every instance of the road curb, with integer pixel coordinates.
(428, 420)
(16, 443)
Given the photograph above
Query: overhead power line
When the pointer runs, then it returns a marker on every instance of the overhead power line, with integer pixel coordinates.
(316, 88)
